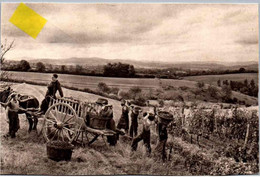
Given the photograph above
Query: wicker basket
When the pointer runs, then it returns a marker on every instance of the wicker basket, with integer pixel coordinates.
(99, 120)
(102, 101)
(165, 117)
(58, 150)
(98, 123)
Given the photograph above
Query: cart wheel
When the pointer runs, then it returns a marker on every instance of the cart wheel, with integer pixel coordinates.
(60, 123)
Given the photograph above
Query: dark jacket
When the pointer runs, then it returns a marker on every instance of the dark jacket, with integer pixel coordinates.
(52, 89)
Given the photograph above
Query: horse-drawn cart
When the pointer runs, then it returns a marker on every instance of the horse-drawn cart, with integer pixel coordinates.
(73, 121)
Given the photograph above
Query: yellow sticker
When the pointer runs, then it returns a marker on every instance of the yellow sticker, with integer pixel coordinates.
(28, 20)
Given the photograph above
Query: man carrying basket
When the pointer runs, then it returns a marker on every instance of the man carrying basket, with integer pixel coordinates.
(164, 118)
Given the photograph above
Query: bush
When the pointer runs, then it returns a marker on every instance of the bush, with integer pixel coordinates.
(124, 95)
(114, 90)
(212, 91)
(200, 84)
(183, 88)
(161, 103)
(140, 101)
(180, 98)
(103, 87)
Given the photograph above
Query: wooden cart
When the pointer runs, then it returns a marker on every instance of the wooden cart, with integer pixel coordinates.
(65, 120)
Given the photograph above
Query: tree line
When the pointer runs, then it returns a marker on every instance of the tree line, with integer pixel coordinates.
(116, 70)
(245, 87)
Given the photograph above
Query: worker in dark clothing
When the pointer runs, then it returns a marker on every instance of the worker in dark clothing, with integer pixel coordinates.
(53, 87)
(124, 119)
(163, 136)
(13, 109)
(134, 121)
(145, 135)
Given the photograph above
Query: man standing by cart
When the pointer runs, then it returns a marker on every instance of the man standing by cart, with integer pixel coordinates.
(53, 87)
(13, 109)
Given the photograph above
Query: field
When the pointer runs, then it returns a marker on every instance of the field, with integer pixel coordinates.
(167, 89)
(27, 153)
(212, 79)
(91, 82)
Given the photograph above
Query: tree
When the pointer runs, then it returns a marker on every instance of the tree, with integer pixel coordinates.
(40, 67)
(4, 49)
(4, 75)
(63, 68)
(24, 65)
(242, 70)
(252, 83)
(119, 70)
(212, 91)
(245, 82)
(79, 69)
(219, 83)
(227, 92)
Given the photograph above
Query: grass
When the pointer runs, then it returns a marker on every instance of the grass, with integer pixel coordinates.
(26, 154)
(91, 82)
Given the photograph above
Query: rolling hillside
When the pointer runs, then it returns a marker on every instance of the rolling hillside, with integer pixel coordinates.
(167, 89)
(199, 65)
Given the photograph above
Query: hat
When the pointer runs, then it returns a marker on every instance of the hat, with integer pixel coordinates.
(123, 102)
(137, 109)
(55, 75)
(102, 101)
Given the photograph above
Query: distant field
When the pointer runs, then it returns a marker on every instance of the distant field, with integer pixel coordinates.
(212, 79)
(91, 82)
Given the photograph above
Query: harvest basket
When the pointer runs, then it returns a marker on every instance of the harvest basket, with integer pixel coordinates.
(98, 123)
(102, 101)
(59, 150)
(165, 117)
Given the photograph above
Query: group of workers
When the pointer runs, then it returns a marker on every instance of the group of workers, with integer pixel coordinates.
(148, 119)
(128, 111)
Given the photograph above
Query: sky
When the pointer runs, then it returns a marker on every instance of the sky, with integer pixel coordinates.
(143, 32)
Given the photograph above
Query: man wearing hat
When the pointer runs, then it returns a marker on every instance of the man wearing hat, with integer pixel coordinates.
(104, 110)
(53, 87)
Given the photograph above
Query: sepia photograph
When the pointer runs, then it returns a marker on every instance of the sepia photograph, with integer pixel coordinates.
(167, 89)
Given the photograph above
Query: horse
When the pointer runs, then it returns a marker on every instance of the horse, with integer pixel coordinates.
(25, 101)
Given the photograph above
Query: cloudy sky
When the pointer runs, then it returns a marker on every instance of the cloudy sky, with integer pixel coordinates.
(154, 32)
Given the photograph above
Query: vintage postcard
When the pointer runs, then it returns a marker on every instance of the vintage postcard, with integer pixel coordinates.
(129, 89)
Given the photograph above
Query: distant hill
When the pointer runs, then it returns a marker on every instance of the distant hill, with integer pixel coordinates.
(94, 61)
